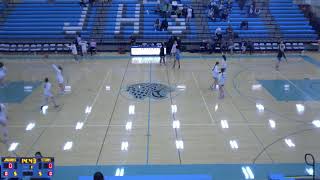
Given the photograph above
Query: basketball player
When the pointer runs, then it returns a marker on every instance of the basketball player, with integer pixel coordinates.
(74, 51)
(3, 123)
(215, 75)
(3, 74)
(59, 77)
(281, 50)
(48, 94)
(162, 55)
(177, 57)
(222, 80)
(224, 63)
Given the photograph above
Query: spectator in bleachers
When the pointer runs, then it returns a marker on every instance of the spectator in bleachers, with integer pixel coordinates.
(242, 4)
(251, 10)
(204, 46)
(218, 33)
(179, 12)
(224, 15)
(244, 25)
(220, 10)
(211, 14)
(84, 3)
(157, 25)
(133, 40)
(174, 5)
(93, 46)
(257, 12)
(164, 25)
(92, 2)
(229, 4)
(229, 31)
(189, 14)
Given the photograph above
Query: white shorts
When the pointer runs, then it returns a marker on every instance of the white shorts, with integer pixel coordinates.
(2, 75)
(3, 121)
(60, 80)
(48, 95)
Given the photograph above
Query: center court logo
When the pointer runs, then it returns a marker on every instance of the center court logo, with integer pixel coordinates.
(155, 91)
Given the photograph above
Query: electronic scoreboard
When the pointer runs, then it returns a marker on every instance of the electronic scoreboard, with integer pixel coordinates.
(32, 167)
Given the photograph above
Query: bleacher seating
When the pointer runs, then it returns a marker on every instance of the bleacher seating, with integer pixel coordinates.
(128, 11)
(89, 27)
(257, 28)
(292, 23)
(34, 25)
(38, 20)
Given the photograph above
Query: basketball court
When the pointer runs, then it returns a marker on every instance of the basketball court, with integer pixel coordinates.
(122, 111)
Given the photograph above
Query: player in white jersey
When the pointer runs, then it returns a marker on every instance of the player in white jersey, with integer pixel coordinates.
(4, 123)
(48, 94)
(215, 75)
(59, 77)
(222, 79)
(3, 74)
(74, 51)
(224, 64)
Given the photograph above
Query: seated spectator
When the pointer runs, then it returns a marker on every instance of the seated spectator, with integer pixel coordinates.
(211, 15)
(242, 4)
(157, 25)
(164, 25)
(218, 33)
(224, 15)
(133, 40)
(84, 3)
(158, 8)
(229, 4)
(92, 2)
(229, 32)
(174, 5)
(220, 10)
(179, 12)
(169, 10)
(229, 29)
(244, 25)
(257, 12)
(204, 46)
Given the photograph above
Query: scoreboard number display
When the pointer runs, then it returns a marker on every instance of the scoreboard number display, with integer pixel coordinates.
(21, 167)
